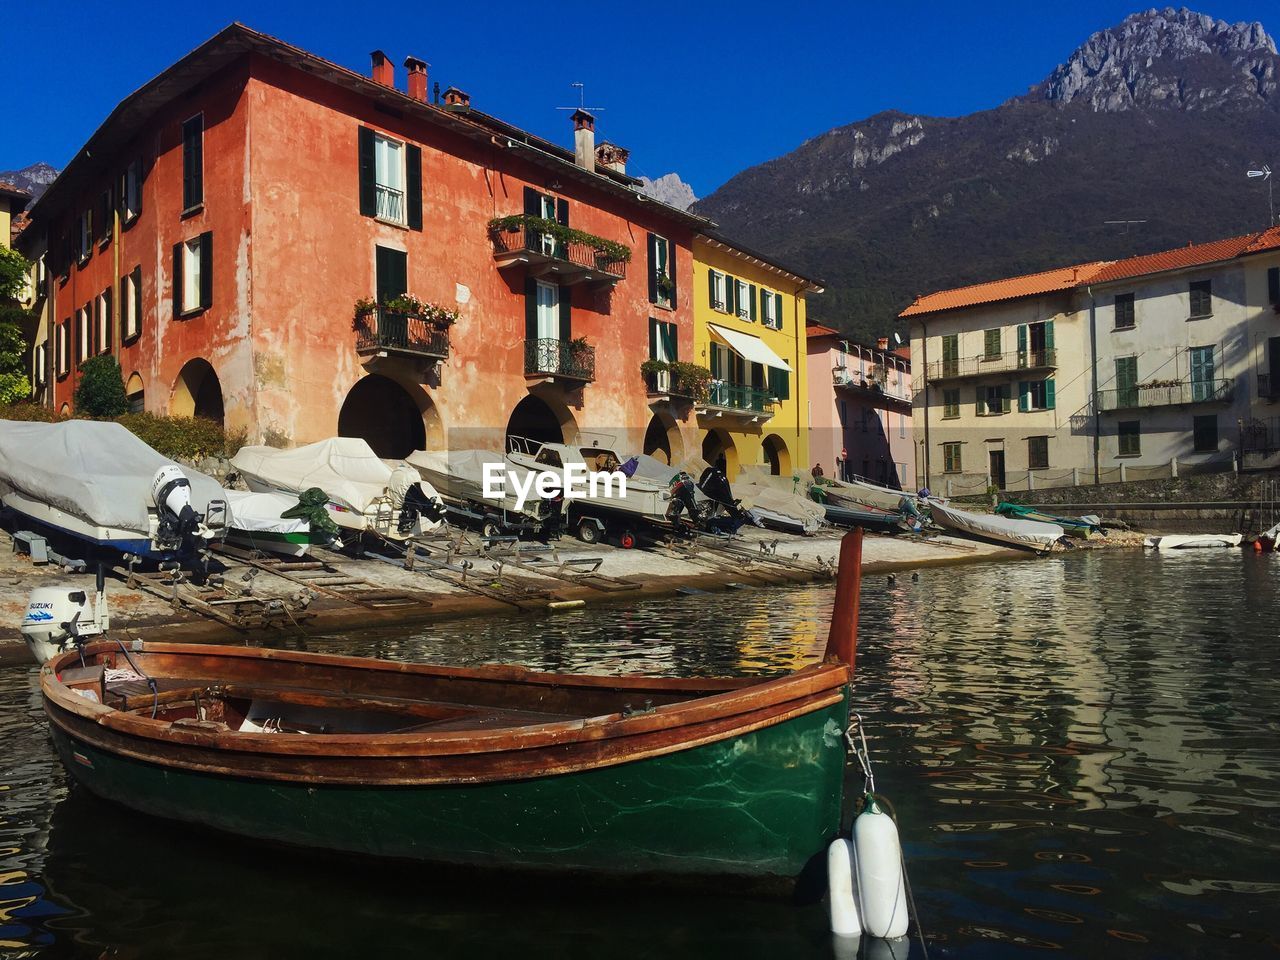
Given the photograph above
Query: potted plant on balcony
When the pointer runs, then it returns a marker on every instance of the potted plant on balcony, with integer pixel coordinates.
(690, 380)
(665, 286)
(363, 310)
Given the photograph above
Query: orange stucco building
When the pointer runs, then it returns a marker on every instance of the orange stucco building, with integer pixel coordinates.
(218, 230)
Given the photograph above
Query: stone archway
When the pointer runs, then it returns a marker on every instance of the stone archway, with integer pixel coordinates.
(394, 419)
(662, 438)
(541, 419)
(718, 443)
(135, 393)
(776, 455)
(197, 392)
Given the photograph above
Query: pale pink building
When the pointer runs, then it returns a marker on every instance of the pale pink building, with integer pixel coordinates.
(860, 409)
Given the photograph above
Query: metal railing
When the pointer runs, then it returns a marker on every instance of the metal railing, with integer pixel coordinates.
(390, 203)
(560, 358)
(1165, 395)
(1260, 434)
(844, 377)
(981, 366)
(530, 241)
(1267, 390)
(387, 331)
(670, 383)
(734, 396)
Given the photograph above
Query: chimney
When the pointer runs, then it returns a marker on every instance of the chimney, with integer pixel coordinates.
(612, 157)
(384, 72)
(584, 140)
(417, 78)
(455, 99)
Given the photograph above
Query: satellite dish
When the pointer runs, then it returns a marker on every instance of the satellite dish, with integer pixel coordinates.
(897, 339)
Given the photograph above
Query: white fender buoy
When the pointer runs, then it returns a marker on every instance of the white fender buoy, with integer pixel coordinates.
(841, 890)
(877, 856)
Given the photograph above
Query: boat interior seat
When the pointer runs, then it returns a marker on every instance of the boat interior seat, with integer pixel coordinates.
(484, 718)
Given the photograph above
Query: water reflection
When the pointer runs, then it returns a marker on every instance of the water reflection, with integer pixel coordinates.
(1082, 752)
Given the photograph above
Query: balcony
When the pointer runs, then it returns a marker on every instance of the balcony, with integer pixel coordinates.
(735, 399)
(1169, 394)
(546, 248)
(390, 204)
(1268, 389)
(877, 393)
(669, 383)
(970, 367)
(560, 359)
(384, 333)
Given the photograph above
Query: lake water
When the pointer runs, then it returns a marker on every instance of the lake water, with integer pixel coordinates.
(1082, 753)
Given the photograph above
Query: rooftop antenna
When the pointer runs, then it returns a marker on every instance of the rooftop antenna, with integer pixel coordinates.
(1127, 224)
(1265, 174)
(582, 99)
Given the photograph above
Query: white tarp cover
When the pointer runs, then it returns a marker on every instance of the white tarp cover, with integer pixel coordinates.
(802, 509)
(750, 347)
(459, 475)
(1028, 533)
(870, 494)
(260, 512)
(99, 472)
(345, 468)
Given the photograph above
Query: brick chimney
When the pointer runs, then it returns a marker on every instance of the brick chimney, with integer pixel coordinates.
(384, 71)
(612, 157)
(455, 99)
(584, 139)
(417, 78)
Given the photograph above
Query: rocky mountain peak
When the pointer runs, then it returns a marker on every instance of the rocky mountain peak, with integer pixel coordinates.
(669, 189)
(34, 178)
(1172, 58)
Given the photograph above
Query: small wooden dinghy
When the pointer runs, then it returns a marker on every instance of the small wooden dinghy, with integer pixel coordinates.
(494, 765)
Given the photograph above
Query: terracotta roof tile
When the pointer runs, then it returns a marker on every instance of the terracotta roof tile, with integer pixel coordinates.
(818, 330)
(1009, 288)
(1192, 255)
(1267, 240)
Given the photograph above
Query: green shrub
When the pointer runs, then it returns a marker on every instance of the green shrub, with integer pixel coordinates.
(14, 385)
(100, 389)
(180, 438)
(13, 272)
(28, 412)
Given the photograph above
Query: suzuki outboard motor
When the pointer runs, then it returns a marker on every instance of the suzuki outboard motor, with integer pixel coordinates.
(171, 491)
(59, 615)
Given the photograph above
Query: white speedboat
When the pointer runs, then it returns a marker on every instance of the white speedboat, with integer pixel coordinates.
(458, 476)
(1193, 541)
(257, 521)
(1028, 534)
(99, 484)
(365, 494)
(646, 495)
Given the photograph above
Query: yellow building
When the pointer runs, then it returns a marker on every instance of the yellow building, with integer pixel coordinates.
(12, 201)
(749, 331)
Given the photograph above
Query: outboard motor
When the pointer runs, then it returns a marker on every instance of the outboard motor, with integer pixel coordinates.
(59, 615)
(171, 491)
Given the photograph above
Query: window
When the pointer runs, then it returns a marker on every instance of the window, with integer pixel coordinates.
(1203, 384)
(131, 306)
(102, 324)
(84, 228)
(993, 400)
(1201, 299)
(744, 299)
(1037, 453)
(193, 163)
(131, 192)
(951, 355)
(951, 458)
(193, 275)
(64, 348)
(844, 413)
(82, 334)
(1273, 286)
(662, 273)
(391, 273)
(1126, 382)
(1130, 434)
(991, 344)
(771, 309)
(42, 364)
(663, 347)
(1124, 311)
(105, 208)
(388, 178)
(718, 289)
(1205, 430)
(950, 404)
(779, 384)
(902, 426)
(1036, 395)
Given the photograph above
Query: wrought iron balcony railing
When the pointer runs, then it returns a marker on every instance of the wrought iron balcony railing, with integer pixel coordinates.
(1268, 389)
(560, 358)
(873, 389)
(574, 260)
(1181, 393)
(723, 395)
(999, 363)
(669, 383)
(390, 203)
(385, 331)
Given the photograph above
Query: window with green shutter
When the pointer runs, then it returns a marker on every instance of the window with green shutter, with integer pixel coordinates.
(991, 344)
(193, 162)
(1201, 299)
(1037, 453)
(1205, 433)
(1124, 310)
(951, 458)
(951, 404)
(1130, 437)
(1273, 286)
(662, 280)
(951, 355)
(779, 384)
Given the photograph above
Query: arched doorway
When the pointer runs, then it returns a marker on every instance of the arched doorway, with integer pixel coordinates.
(716, 444)
(197, 392)
(776, 455)
(536, 419)
(662, 438)
(135, 394)
(383, 414)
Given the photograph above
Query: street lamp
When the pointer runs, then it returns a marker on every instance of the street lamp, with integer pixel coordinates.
(1265, 174)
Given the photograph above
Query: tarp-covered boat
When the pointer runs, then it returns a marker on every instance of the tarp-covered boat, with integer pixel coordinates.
(848, 493)
(257, 521)
(1194, 541)
(364, 492)
(458, 476)
(98, 483)
(1030, 534)
(1082, 527)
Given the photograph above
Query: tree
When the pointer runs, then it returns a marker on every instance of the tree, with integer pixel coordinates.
(14, 385)
(100, 389)
(14, 270)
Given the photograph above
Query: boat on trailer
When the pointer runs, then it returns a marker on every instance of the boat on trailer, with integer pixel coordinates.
(480, 766)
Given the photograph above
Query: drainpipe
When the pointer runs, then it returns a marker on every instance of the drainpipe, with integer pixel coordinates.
(1093, 375)
(924, 390)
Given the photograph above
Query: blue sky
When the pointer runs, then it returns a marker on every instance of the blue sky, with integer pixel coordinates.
(703, 89)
